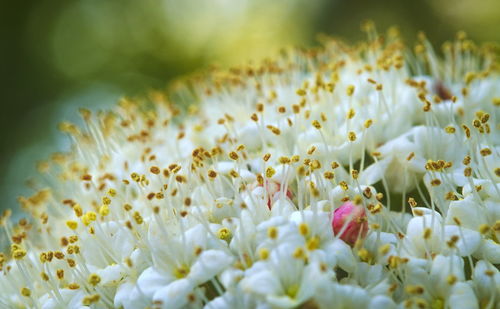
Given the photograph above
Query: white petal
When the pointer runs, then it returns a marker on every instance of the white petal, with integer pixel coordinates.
(462, 296)
(152, 280)
(468, 212)
(209, 264)
(343, 254)
(112, 274)
(490, 251)
(468, 242)
(128, 297)
(382, 302)
(263, 283)
(282, 301)
(374, 172)
(174, 295)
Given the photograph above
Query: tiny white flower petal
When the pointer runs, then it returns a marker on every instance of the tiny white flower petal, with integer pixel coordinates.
(174, 295)
(263, 283)
(343, 254)
(112, 274)
(209, 264)
(490, 251)
(467, 211)
(374, 172)
(462, 296)
(152, 280)
(128, 297)
(382, 302)
(468, 242)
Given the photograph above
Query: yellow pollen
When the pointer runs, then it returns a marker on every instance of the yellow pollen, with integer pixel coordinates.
(299, 253)
(270, 172)
(350, 90)
(104, 210)
(181, 271)
(351, 136)
(263, 253)
(350, 113)
(484, 229)
(316, 124)
(72, 224)
(25, 292)
(94, 279)
(224, 233)
(313, 243)
(427, 233)
(272, 232)
(304, 229)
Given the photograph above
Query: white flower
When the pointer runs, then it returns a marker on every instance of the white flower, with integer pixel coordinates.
(238, 193)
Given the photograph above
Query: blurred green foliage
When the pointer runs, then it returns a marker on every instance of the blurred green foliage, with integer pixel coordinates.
(59, 55)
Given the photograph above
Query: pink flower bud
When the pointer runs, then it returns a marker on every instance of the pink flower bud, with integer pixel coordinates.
(355, 221)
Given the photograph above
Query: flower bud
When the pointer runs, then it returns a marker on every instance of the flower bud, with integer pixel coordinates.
(351, 221)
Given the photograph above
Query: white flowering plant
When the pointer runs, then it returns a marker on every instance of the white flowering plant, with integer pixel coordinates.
(344, 176)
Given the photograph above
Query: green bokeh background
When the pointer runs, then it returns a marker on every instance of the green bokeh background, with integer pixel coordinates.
(59, 55)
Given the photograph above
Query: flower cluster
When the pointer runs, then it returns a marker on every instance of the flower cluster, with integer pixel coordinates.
(345, 176)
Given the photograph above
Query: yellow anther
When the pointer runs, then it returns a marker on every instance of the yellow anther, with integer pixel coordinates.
(284, 160)
(112, 192)
(316, 124)
(485, 152)
(350, 113)
(313, 243)
(78, 210)
(451, 279)
(384, 249)
(450, 129)
(344, 185)
(104, 210)
(304, 229)
(224, 233)
(301, 92)
(92, 216)
(274, 129)
(94, 279)
(427, 233)
(138, 218)
(181, 271)
(72, 224)
(263, 253)
(351, 136)
(467, 171)
(484, 229)
(350, 90)
(329, 175)
(44, 276)
(90, 299)
(272, 232)
(414, 289)
(270, 171)
(299, 253)
(25, 292)
(364, 255)
(315, 164)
